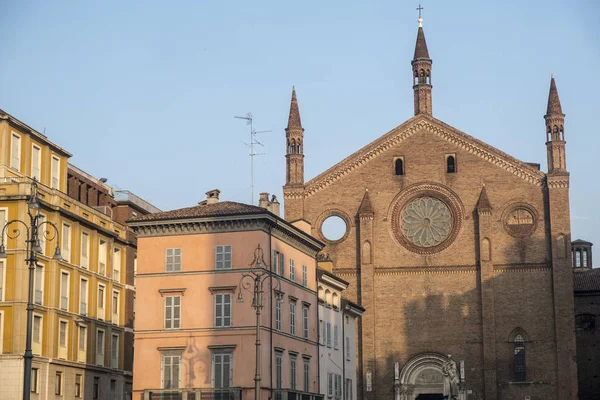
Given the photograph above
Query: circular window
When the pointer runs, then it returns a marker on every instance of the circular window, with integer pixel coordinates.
(334, 228)
(426, 221)
(520, 220)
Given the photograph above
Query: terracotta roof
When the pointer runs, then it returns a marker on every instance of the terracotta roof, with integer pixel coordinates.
(553, 100)
(294, 118)
(484, 203)
(365, 205)
(586, 281)
(222, 208)
(421, 46)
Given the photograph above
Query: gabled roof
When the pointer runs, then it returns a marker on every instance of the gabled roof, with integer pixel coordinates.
(433, 126)
(586, 281)
(366, 208)
(220, 209)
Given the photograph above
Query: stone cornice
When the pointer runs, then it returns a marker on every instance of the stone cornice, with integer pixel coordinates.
(404, 131)
(458, 269)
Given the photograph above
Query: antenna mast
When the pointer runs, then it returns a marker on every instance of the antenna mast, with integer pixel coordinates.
(253, 142)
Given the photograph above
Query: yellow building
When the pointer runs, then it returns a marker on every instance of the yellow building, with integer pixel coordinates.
(79, 314)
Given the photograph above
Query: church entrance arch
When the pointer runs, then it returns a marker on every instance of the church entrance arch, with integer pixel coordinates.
(422, 378)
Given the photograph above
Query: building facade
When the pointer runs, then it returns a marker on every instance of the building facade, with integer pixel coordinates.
(79, 319)
(586, 285)
(193, 336)
(458, 251)
(352, 313)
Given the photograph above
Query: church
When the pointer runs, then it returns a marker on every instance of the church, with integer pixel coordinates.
(460, 254)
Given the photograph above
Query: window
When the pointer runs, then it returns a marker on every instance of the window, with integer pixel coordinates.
(222, 310)
(15, 152)
(173, 260)
(101, 300)
(58, 384)
(335, 300)
(62, 334)
(102, 257)
(348, 392)
(2, 277)
(37, 330)
(281, 264)
(274, 267)
(115, 307)
(278, 370)
(1, 329)
(82, 344)
(306, 375)
(39, 284)
(519, 351)
(585, 258)
(114, 351)
(292, 272)
(223, 257)
(335, 337)
(96, 388)
(172, 312)
(329, 384)
(347, 348)
(77, 385)
(305, 322)
(328, 334)
(321, 332)
(85, 250)
(55, 183)
(113, 388)
(34, 380)
(304, 276)
(100, 347)
(338, 386)
(41, 236)
(293, 372)
(66, 242)
(171, 362)
(83, 296)
(450, 164)
(293, 317)
(64, 291)
(222, 367)
(116, 272)
(277, 315)
(36, 162)
(3, 218)
(399, 166)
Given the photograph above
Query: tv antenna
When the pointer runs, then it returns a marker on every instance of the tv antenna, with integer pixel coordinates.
(252, 144)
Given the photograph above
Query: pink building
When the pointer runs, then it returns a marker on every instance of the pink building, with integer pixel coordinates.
(194, 339)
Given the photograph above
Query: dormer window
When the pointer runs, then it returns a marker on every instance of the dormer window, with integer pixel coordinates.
(399, 165)
(451, 163)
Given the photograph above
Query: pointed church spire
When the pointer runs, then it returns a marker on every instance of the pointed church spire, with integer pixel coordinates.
(553, 100)
(483, 204)
(421, 66)
(294, 118)
(366, 208)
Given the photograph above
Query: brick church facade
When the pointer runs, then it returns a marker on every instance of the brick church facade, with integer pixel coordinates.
(459, 252)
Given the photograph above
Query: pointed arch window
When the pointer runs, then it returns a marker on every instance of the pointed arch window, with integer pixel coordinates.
(450, 163)
(519, 339)
(399, 166)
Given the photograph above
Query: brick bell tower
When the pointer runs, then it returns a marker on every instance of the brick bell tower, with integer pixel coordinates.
(421, 67)
(555, 133)
(294, 156)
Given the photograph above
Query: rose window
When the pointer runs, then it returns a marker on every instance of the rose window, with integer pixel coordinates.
(426, 221)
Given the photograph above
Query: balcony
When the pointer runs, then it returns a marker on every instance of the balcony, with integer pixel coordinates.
(193, 394)
(296, 395)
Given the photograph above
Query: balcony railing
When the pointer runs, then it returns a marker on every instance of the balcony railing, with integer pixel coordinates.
(296, 395)
(38, 296)
(102, 268)
(193, 394)
(83, 308)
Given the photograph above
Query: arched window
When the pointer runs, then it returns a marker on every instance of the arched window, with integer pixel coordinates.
(519, 338)
(321, 294)
(450, 165)
(399, 164)
(555, 134)
(335, 301)
(327, 296)
(293, 146)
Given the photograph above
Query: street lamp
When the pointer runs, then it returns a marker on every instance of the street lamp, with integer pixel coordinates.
(258, 281)
(33, 248)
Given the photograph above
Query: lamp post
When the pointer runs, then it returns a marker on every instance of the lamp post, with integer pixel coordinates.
(258, 281)
(33, 248)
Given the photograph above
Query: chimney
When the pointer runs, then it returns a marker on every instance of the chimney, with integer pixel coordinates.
(273, 205)
(212, 196)
(263, 200)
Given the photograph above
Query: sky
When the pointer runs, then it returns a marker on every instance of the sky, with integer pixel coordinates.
(144, 93)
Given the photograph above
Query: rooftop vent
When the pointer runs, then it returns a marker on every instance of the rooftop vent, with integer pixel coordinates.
(212, 196)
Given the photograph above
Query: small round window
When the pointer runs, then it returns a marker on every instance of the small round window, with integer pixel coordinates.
(333, 228)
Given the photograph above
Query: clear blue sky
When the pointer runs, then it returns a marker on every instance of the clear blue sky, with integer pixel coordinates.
(144, 92)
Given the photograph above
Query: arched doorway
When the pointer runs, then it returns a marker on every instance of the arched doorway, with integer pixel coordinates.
(422, 378)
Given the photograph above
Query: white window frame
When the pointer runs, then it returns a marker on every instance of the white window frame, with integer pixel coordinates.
(83, 310)
(347, 348)
(170, 354)
(62, 350)
(35, 380)
(3, 221)
(115, 315)
(328, 334)
(82, 353)
(213, 367)
(15, 162)
(278, 370)
(42, 238)
(223, 250)
(101, 312)
(116, 267)
(306, 373)
(78, 395)
(66, 240)
(114, 350)
(225, 320)
(275, 262)
(2, 282)
(102, 255)
(55, 179)
(58, 391)
(65, 292)
(173, 321)
(293, 371)
(84, 257)
(278, 315)
(37, 342)
(292, 317)
(329, 384)
(336, 344)
(42, 269)
(304, 275)
(281, 264)
(171, 256)
(100, 356)
(292, 271)
(305, 321)
(37, 167)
